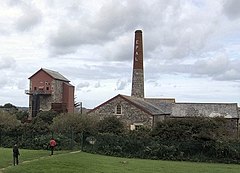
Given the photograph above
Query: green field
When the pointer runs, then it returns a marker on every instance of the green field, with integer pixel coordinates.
(32, 161)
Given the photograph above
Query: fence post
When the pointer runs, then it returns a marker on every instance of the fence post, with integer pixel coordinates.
(71, 138)
(0, 137)
(82, 137)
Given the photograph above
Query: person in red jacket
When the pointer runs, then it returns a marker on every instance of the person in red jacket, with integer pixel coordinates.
(52, 144)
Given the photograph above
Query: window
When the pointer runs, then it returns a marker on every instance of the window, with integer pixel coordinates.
(35, 88)
(118, 109)
(47, 88)
(136, 126)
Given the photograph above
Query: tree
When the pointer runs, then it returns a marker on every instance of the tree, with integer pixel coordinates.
(8, 121)
(190, 128)
(8, 129)
(47, 116)
(22, 115)
(9, 105)
(76, 122)
(110, 125)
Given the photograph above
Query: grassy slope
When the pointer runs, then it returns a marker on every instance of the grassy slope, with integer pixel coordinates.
(25, 155)
(89, 163)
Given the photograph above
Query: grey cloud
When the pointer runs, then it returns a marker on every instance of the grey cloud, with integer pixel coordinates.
(120, 49)
(181, 41)
(231, 9)
(97, 85)
(116, 17)
(231, 74)
(3, 82)
(170, 29)
(83, 85)
(219, 68)
(30, 18)
(216, 68)
(213, 66)
(7, 63)
(121, 84)
(14, 2)
(21, 84)
(70, 37)
(112, 21)
(107, 70)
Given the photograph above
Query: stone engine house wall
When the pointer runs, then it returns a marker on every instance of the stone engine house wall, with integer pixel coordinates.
(130, 114)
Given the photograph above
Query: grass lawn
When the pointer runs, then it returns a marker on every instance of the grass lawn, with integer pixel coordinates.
(25, 155)
(91, 163)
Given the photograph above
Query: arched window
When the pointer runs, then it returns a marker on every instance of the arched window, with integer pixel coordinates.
(118, 109)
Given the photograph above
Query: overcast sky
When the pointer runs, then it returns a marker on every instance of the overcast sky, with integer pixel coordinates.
(191, 47)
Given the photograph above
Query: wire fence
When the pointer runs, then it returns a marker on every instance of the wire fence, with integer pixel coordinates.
(65, 141)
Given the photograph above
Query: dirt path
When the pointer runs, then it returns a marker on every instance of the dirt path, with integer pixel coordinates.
(28, 161)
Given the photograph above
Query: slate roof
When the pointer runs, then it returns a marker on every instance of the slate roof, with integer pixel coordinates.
(53, 74)
(226, 110)
(144, 105)
(165, 104)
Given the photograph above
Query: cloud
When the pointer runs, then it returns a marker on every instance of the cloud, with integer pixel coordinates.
(186, 29)
(70, 36)
(22, 84)
(219, 67)
(116, 17)
(231, 9)
(109, 23)
(121, 84)
(120, 49)
(3, 81)
(7, 63)
(212, 66)
(97, 85)
(91, 42)
(30, 18)
(83, 85)
(174, 30)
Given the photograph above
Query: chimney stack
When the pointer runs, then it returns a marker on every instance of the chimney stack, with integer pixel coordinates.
(138, 76)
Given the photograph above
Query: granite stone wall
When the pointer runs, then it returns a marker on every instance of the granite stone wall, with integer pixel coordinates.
(138, 83)
(57, 93)
(130, 113)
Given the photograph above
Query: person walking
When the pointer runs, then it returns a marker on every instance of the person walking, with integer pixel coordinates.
(52, 145)
(16, 153)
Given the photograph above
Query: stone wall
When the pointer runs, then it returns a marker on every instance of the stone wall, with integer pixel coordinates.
(45, 103)
(130, 113)
(138, 83)
(57, 93)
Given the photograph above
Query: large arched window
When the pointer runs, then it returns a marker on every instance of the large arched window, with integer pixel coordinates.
(118, 109)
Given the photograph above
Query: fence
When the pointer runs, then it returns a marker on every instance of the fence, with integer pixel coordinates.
(65, 141)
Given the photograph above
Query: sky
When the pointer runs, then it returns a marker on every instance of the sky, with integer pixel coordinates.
(191, 48)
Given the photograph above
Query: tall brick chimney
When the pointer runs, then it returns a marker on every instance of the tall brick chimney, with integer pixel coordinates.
(138, 76)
